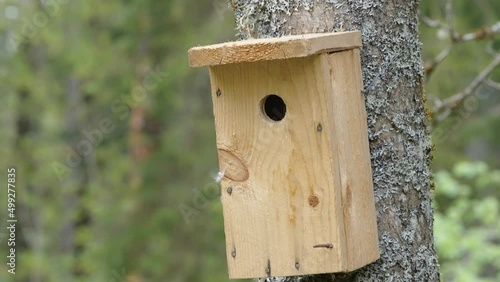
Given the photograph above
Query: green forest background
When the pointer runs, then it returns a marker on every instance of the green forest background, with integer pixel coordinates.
(110, 80)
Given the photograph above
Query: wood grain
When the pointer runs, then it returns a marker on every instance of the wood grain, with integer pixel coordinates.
(353, 155)
(301, 183)
(273, 48)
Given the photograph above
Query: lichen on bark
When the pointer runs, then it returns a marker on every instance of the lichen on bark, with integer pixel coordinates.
(399, 143)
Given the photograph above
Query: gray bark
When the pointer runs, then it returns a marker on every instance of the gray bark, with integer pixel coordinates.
(399, 142)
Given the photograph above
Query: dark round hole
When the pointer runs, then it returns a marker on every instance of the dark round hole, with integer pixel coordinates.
(274, 107)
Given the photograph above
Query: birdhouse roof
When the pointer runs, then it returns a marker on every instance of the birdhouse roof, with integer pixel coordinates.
(265, 49)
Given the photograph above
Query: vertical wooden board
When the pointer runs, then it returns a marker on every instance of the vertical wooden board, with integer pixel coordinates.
(284, 189)
(349, 117)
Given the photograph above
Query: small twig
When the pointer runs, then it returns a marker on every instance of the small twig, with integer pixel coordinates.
(433, 23)
(448, 11)
(431, 66)
(449, 104)
(455, 100)
(480, 34)
(456, 38)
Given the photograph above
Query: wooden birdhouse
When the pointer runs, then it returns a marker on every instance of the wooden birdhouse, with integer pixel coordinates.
(292, 142)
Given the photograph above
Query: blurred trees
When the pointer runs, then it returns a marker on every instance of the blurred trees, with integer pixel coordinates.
(105, 123)
(466, 191)
(466, 222)
(111, 133)
(472, 130)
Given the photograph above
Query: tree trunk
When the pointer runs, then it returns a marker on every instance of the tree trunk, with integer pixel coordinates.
(399, 142)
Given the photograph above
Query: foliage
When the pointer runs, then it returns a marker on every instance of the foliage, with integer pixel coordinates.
(467, 222)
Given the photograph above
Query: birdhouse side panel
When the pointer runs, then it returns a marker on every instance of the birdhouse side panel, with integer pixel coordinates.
(349, 118)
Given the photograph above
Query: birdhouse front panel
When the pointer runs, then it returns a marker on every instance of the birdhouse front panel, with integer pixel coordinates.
(292, 142)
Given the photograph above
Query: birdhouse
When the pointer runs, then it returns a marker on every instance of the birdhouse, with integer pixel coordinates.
(292, 142)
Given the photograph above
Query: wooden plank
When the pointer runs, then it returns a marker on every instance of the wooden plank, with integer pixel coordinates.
(349, 118)
(293, 46)
(284, 195)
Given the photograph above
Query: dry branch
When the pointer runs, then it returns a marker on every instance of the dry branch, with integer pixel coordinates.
(447, 105)
(482, 33)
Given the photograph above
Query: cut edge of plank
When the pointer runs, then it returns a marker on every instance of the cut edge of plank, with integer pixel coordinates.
(292, 46)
